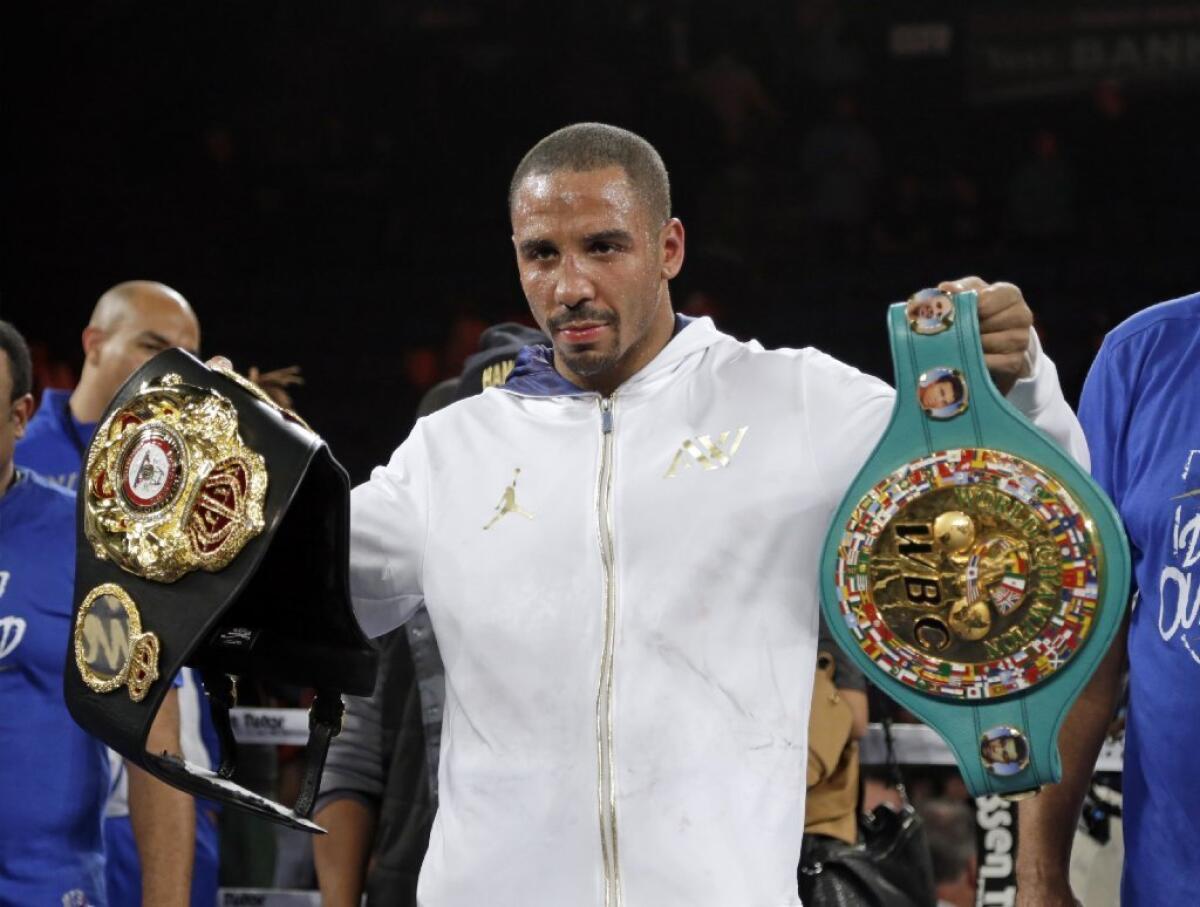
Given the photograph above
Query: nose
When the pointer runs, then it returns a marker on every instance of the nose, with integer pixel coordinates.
(573, 286)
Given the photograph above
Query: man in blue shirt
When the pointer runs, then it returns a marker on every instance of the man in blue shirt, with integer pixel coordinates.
(55, 774)
(1140, 410)
(130, 324)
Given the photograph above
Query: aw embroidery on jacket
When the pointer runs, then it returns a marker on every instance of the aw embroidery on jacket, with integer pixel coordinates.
(706, 452)
(508, 503)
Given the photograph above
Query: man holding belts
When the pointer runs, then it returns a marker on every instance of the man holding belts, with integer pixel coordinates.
(630, 646)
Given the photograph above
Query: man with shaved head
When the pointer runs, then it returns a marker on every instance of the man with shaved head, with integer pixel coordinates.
(152, 829)
(131, 323)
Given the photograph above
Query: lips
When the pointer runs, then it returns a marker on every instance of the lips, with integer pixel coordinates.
(582, 331)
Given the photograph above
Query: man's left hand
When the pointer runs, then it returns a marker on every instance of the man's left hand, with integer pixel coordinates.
(1005, 325)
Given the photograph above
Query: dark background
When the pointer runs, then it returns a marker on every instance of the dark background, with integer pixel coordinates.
(326, 182)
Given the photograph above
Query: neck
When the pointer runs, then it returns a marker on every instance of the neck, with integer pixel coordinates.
(8, 474)
(87, 403)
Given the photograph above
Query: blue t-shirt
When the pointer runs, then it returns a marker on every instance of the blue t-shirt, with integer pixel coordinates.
(55, 775)
(54, 446)
(1141, 413)
(55, 442)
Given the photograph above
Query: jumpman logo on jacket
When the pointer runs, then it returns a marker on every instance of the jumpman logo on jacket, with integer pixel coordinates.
(508, 503)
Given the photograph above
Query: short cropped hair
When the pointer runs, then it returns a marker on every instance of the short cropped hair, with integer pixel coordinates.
(594, 146)
(19, 363)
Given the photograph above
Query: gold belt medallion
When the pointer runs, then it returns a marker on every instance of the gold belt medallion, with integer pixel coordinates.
(969, 573)
(110, 648)
(170, 485)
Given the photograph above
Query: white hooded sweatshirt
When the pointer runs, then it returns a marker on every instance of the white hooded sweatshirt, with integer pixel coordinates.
(625, 594)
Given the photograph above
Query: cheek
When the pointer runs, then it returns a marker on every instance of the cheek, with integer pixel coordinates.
(534, 282)
(538, 294)
(637, 288)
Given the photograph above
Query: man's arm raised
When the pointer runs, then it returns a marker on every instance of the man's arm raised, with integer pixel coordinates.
(1019, 368)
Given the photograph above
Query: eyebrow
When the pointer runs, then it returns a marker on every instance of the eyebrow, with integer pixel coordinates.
(532, 245)
(615, 236)
(155, 337)
(612, 236)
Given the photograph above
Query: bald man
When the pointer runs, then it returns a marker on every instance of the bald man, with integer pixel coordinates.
(131, 323)
(152, 830)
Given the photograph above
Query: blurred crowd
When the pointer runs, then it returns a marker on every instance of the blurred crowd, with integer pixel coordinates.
(300, 171)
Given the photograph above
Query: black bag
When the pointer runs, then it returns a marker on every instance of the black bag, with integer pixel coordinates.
(890, 868)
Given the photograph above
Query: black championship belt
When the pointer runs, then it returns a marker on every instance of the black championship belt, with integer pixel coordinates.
(213, 532)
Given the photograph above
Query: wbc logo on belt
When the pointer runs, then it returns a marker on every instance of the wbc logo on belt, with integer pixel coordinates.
(171, 486)
(969, 574)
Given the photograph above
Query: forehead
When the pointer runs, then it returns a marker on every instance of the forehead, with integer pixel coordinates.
(566, 199)
(160, 316)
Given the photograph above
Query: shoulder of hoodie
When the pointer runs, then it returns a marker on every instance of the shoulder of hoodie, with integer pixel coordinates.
(483, 407)
(815, 371)
(807, 368)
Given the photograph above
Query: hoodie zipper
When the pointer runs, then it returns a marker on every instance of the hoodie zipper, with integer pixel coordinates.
(606, 781)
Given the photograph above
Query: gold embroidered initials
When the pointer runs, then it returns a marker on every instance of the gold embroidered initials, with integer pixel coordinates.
(706, 452)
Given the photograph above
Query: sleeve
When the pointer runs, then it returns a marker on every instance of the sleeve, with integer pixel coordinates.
(1040, 398)
(355, 764)
(1104, 412)
(847, 412)
(1104, 415)
(389, 518)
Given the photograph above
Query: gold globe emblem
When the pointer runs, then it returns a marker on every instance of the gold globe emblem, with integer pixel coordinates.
(970, 620)
(954, 531)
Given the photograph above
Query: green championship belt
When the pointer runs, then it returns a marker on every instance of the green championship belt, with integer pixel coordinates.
(973, 570)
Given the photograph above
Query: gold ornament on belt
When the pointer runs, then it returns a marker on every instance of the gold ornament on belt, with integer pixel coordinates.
(110, 648)
(170, 485)
(969, 573)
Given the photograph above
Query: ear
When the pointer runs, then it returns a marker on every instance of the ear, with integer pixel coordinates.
(671, 247)
(93, 339)
(22, 411)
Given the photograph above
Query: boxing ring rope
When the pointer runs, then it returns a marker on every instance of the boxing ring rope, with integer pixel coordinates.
(916, 744)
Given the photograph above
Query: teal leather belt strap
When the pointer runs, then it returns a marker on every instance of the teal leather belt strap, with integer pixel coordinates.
(974, 571)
